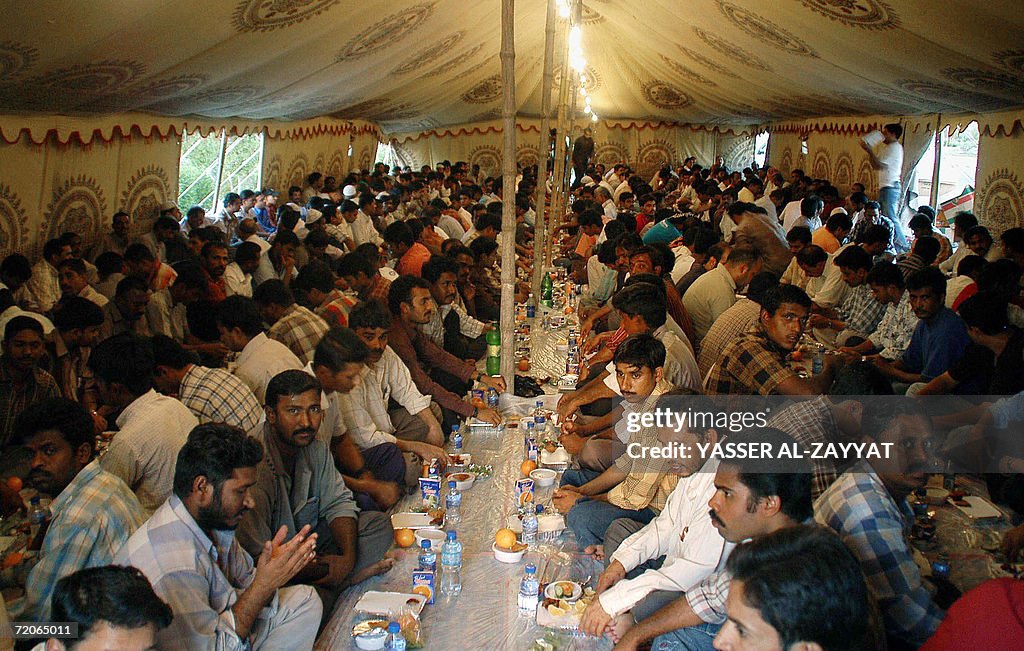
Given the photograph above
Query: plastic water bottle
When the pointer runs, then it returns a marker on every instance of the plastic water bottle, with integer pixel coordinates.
(38, 517)
(456, 439)
(530, 524)
(395, 641)
(453, 505)
(428, 558)
(818, 363)
(529, 587)
(451, 566)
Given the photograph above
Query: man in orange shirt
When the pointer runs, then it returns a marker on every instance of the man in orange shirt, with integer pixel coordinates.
(411, 254)
(836, 229)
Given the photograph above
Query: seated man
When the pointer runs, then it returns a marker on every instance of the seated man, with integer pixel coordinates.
(151, 427)
(297, 487)
(631, 487)
(648, 564)
(114, 608)
(923, 225)
(755, 364)
(78, 322)
(94, 512)
(922, 254)
(798, 588)
(238, 274)
(735, 321)
(188, 551)
(75, 282)
(715, 291)
(867, 506)
(436, 373)
(42, 291)
(979, 241)
(22, 382)
(213, 394)
(374, 473)
(290, 323)
(213, 259)
(806, 268)
(259, 357)
(939, 340)
(451, 328)
(892, 336)
(361, 275)
(657, 260)
(749, 503)
(837, 227)
(833, 290)
(411, 255)
(127, 312)
(860, 313)
(328, 302)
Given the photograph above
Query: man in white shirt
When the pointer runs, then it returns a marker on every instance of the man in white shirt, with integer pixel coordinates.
(683, 534)
(363, 230)
(809, 215)
(715, 291)
(73, 282)
(42, 291)
(238, 274)
(248, 231)
(194, 219)
(151, 427)
(887, 158)
(603, 197)
(259, 358)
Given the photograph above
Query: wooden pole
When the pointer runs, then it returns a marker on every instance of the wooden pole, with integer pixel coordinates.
(508, 190)
(544, 148)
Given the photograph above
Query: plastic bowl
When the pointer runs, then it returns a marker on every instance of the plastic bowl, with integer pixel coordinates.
(505, 556)
(544, 476)
(463, 480)
(437, 537)
(576, 588)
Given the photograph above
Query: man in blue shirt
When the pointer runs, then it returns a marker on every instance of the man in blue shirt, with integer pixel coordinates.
(939, 339)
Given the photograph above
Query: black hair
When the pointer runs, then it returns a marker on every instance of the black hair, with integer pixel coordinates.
(927, 248)
(351, 264)
(799, 234)
(853, 257)
(810, 205)
(401, 291)
(875, 234)
(76, 312)
(246, 252)
(230, 198)
(886, 274)
(190, 274)
(482, 246)
(965, 220)
(977, 230)
(292, 382)
(52, 247)
(613, 230)
(369, 314)
(861, 379)
(894, 128)
(437, 265)
(315, 275)
(17, 266)
(920, 221)
(68, 417)
(124, 359)
(273, 292)
(214, 451)
(790, 480)
(641, 350)
(811, 255)
(985, 311)
(840, 221)
(208, 247)
(927, 277)
(168, 352)
(119, 596)
(745, 254)
(399, 233)
(777, 296)
(606, 252)
(760, 285)
(285, 237)
(1013, 238)
(74, 264)
(807, 585)
(1001, 276)
(340, 346)
(138, 253)
(21, 323)
(644, 300)
(240, 312)
(970, 264)
(130, 284)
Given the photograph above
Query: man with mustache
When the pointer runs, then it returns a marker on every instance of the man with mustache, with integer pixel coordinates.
(214, 262)
(22, 382)
(867, 506)
(451, 327)
(755, 363)
(94, 512)
(435, 372)
(297, 486)
(750, 501)
(189, 553)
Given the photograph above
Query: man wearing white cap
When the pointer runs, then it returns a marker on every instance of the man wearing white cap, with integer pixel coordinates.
(349, 192)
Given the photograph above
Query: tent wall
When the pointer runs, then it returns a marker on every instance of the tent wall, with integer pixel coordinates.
(999, 198)
(60, 173)
(645, 146)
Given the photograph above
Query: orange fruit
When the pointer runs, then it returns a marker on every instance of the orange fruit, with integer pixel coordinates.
(505, 538)
(15, 483)
(14, 558)
(527, 467)
(524, 364)
(569, 309)
(404, 537)
(423, 590)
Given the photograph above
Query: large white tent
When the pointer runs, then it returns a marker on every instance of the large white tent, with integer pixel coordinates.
(95, 95)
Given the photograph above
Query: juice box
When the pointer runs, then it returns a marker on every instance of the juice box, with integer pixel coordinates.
(423, 584)
(430, 490)
(524, 491)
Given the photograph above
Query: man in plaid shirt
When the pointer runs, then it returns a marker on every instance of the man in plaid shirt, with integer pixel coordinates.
(290, 323)
(860, 313)
(867, 506)
(748, 503)
(451, 327)
(94, 512)
(361, 275)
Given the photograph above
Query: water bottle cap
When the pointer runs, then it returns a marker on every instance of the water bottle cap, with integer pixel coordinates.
(531, 569)
(394, 627)
(425, 544)
(451, 536)
(34, 501)
(451, 484)
(540, 508)
(455, 428)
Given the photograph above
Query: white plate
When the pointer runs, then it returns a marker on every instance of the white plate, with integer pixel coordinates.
(979, 508)
(413, 521)
(459, 485)
(383, 603)
(557, 458)
(577, 591)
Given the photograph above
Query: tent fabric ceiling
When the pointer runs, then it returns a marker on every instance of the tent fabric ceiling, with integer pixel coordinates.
(418, 65)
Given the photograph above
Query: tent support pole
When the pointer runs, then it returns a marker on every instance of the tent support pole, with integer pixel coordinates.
(543, 149)
(508, 190)
(933, 198)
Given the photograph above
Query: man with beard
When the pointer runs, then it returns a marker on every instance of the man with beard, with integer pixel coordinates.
(22, 382)
(435, 372)
(748, 503)
(297, 487)
(451, 328)
(188, 551)
(94, 512)
(867, 506)
(214, 261)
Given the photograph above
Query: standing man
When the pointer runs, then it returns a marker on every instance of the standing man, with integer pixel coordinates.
(887, 158)
(582, 150)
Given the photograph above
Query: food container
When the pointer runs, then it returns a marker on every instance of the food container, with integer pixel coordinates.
(544, 477)
(435, 536)
(369, 635)
(507, 556)
(524, 491)
(463, 480)
(569, 591)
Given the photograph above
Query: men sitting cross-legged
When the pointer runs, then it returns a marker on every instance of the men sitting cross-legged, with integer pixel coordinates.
(297, 486)
(94, 512)
(188, 551)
